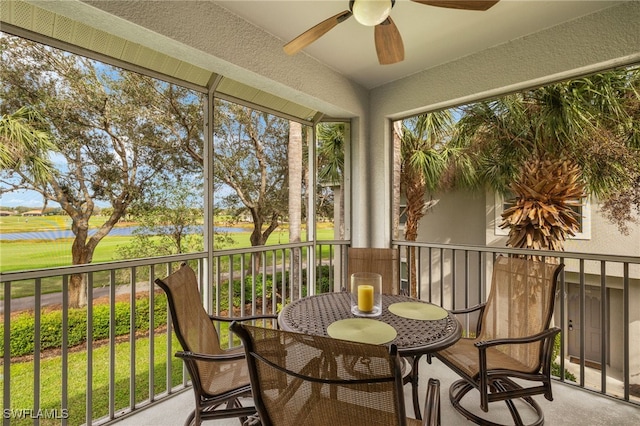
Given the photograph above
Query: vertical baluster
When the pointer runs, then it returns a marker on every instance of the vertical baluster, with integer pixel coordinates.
(604, 308)
(112, 343)
(64, 403)
(37, 348)
(89, 384)
(152, 338)
(625, 309)
(132, 339)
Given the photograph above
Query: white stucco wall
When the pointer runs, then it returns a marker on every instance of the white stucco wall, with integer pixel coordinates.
(603, 236)
(457, 218)
(606, 237)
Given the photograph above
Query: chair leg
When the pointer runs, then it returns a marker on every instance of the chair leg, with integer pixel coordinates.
(190, 419)
(460, 388)
(235, 403)
(253, 420)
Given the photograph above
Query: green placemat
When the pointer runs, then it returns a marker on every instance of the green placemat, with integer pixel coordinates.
(363, 330)
(418, 311)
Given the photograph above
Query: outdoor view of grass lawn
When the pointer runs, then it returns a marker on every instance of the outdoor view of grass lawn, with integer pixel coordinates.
(16, 255)
(36, 254)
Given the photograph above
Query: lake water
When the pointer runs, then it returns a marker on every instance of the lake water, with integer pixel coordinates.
(65, 233)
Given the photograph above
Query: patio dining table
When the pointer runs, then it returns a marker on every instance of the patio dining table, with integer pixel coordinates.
(415, 333)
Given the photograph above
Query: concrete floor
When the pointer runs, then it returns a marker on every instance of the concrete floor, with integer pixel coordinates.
(571, 406)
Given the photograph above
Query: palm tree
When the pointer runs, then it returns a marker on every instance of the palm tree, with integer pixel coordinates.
(330, 154)
(424, 158)
(551, 147)
(24, 145)
(542, 215)
(330, 160)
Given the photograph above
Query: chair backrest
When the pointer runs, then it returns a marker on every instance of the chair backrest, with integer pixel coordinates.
(191, 322)
(300, 379)
(520, 304)
(384, 261)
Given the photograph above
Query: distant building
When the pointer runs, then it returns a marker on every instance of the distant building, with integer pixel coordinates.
(33, 213)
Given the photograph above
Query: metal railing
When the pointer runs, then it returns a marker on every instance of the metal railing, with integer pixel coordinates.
(597, 306)
(116, 373)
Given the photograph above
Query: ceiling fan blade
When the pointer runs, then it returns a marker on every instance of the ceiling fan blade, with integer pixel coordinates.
(389, 46)
(462, 4)
(314, 33)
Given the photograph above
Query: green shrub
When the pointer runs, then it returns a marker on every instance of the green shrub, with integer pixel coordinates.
(22, 340)
(555, 367)
(323, 282)
(323, 285)
(23, 325)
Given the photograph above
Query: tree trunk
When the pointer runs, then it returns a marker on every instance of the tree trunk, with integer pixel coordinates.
(397, 161)
(80, 255)
(77, 291)
(295, 199)
(84, 246)
(259, 237)
(415, 189)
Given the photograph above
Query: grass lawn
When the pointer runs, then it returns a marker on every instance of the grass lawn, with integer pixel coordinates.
(24, 255)
(36, 254)
(51, 380)
(22, 378)
(10, 224)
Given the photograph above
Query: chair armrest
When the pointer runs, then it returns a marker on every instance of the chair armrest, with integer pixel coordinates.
(192, 356)
(483, 344)
(546, 337)
(247, 318)
(469, 310)
(480, 307)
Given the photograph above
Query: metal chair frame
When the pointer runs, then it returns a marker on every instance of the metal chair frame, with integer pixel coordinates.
(495, 357)
(181, 287)
(304, 376)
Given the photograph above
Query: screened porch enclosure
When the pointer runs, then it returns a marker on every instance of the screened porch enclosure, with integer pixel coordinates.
(204, 47)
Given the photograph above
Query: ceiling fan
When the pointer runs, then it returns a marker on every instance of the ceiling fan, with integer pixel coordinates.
(375, 13)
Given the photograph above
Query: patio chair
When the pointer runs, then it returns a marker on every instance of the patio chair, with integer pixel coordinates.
(384, 261)
(219, 377)
(300, 379)
(514, 340)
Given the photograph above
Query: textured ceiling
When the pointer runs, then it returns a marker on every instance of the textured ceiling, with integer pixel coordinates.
(432, 36)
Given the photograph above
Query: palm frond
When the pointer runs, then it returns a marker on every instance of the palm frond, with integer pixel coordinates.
(24, 145)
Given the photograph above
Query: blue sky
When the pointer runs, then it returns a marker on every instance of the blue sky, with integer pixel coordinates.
(32, 198)
(24, 198)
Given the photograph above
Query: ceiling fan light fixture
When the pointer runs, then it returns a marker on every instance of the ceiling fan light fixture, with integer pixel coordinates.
(371, 12)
